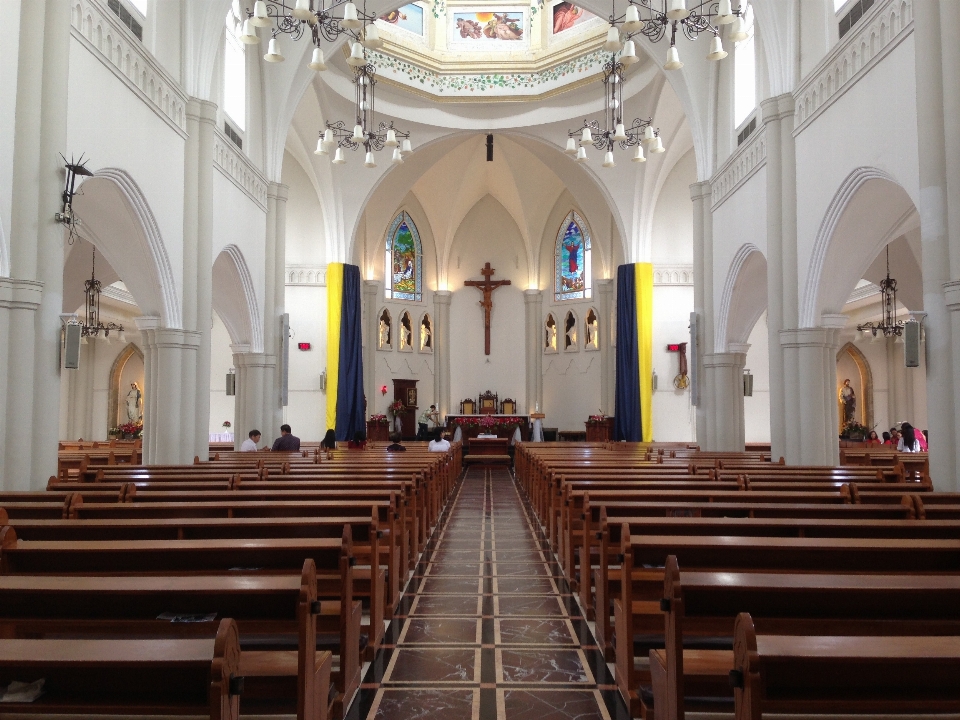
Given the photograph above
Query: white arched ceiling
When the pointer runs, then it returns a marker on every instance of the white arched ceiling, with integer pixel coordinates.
(203, 22)
(868, 212)
(77, 266)
(118, 220)
(744, 297)
(235, 300)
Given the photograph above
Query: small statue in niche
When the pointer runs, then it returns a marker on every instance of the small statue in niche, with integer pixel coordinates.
(385, 330)
(406, 332)
(550, 338)
(426, 334)
(848, 402)
(570, 332)
(590, 337)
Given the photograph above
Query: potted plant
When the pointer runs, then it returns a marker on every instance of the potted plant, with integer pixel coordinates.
(378, 428)
(131, 431)
(854, 431)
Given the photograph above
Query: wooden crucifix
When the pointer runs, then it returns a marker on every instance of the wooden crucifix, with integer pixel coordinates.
(486, 286)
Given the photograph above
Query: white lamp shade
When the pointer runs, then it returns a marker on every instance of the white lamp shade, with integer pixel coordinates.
(608, 160)
(677, 9)
(857, 336)
(391, 140)
(338, 157)
(657, 145)
(248, 35)
(350, 19)
(371, 37)
(357, 58)
(629, 54)
(673, 59)
(301, 11)
(328, 138)
(316, 61)
(358, 135)
(406, 146)
(369, 161)
(321, 147)
(273, 52)
(397, 158)
(725, 14)
(260, 16)
(638, 155)
(587, 137)
(716, 49)
(571, 148)
(612, 43)
(631, 21)
(648, 134)
(619, 134)
(738, 32)
(582, 154)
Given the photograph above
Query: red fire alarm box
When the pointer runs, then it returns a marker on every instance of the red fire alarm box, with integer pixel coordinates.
(673, 347)
(303, 346)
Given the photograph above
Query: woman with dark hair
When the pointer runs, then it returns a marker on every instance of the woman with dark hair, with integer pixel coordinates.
(359, 441)
(872, 438)
(329, 441)
(908, 439)
(886, 438)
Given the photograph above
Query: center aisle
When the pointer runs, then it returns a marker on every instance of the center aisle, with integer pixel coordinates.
(488, 628)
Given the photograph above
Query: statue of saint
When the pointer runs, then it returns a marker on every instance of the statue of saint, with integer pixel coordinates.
(384, 335)
(848, 402)
(426, 334)
(134, 403)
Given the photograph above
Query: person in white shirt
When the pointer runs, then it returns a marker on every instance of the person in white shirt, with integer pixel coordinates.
(438, 444)
(908, 439)
(250, 444)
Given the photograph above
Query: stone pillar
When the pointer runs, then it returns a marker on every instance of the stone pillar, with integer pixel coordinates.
(251, 369)
(170, 356)
(937, 255)
(274, 292)
(724, 383)
(533, 306)
(702, 301)
(441, 351)
(371, 336)
(813, 351)
(608, 355)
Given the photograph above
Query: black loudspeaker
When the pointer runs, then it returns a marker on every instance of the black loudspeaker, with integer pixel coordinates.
(911, 343)
(490, 148)
(747, 383)
(71, 347)
(231, 383)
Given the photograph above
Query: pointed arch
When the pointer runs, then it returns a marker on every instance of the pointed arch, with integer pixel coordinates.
(573, 266)
(744, 297)
(403, 260)
(866, 381)
(113, 388)
(235, 299)
(550, 341)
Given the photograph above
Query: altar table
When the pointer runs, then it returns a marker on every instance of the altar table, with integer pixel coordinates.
(504, 428)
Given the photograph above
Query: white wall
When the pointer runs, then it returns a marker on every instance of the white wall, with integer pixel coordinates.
(221, 360)
(756, 409)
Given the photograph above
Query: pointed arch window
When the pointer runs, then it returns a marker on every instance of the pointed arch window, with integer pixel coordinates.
(573, 259)
(403, 261)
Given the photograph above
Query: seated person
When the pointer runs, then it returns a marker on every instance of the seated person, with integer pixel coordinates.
(872, 438)
(286, 442)
(439, 443)
(329, 441)
(395, 445)
(359, 441)
(250, 444)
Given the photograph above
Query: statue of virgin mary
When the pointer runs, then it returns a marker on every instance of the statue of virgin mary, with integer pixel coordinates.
(134, 403)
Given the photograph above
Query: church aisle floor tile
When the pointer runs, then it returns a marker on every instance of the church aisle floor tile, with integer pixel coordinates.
(487, 628)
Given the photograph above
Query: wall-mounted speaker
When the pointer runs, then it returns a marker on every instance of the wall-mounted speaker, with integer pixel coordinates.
(911, 343)
(747, 383)
(231, 383)
(694, 359)
(71, 347)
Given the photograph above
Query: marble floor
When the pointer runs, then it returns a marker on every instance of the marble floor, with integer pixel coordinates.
(487, 628)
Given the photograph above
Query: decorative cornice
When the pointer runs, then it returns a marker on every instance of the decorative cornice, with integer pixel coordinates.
(862, 293)
(238, 169)
(673, 275)
(740, 167)
(102, 33)
(874, 37)
(306, 275)
(112, 292)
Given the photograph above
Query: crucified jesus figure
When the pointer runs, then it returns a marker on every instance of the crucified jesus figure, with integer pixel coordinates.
(486, 286)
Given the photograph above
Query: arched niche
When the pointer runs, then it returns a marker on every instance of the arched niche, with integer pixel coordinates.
(862, 383)
(235, 300)
(591, 330)
(127, 368)
(405, 332)
(550, 342)
(385, 331)
(426, 334)
(571, 332)
(744, 297)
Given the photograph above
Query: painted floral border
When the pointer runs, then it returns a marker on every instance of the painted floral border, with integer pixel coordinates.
(484, 82)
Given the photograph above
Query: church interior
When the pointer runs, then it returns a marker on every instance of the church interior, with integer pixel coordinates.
(641, 313)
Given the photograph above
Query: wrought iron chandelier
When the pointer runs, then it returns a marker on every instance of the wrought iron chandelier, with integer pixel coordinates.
(642, 18)
(92, 325)
(613, 132)
(889, 326)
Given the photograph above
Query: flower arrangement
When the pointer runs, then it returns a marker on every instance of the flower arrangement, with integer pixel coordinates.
(596, 419)
(854, 431)
(379, 419)
(488, 422)
(396, 407)
(226, 424)
(133, 430)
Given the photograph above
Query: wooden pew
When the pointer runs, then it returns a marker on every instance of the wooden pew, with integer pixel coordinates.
(270, 611)
(840, 674)
(129, 677)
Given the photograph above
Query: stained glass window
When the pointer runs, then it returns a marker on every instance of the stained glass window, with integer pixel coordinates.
(403, 261)
(573, 260)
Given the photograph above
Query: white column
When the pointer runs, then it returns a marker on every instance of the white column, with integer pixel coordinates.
(441, 351)
(274, 289)
(724, 375)
(208, 119)
(815, 351)
(702, 301)
(608, 356)
(371, 332)
(249, 410)
(533, 307)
